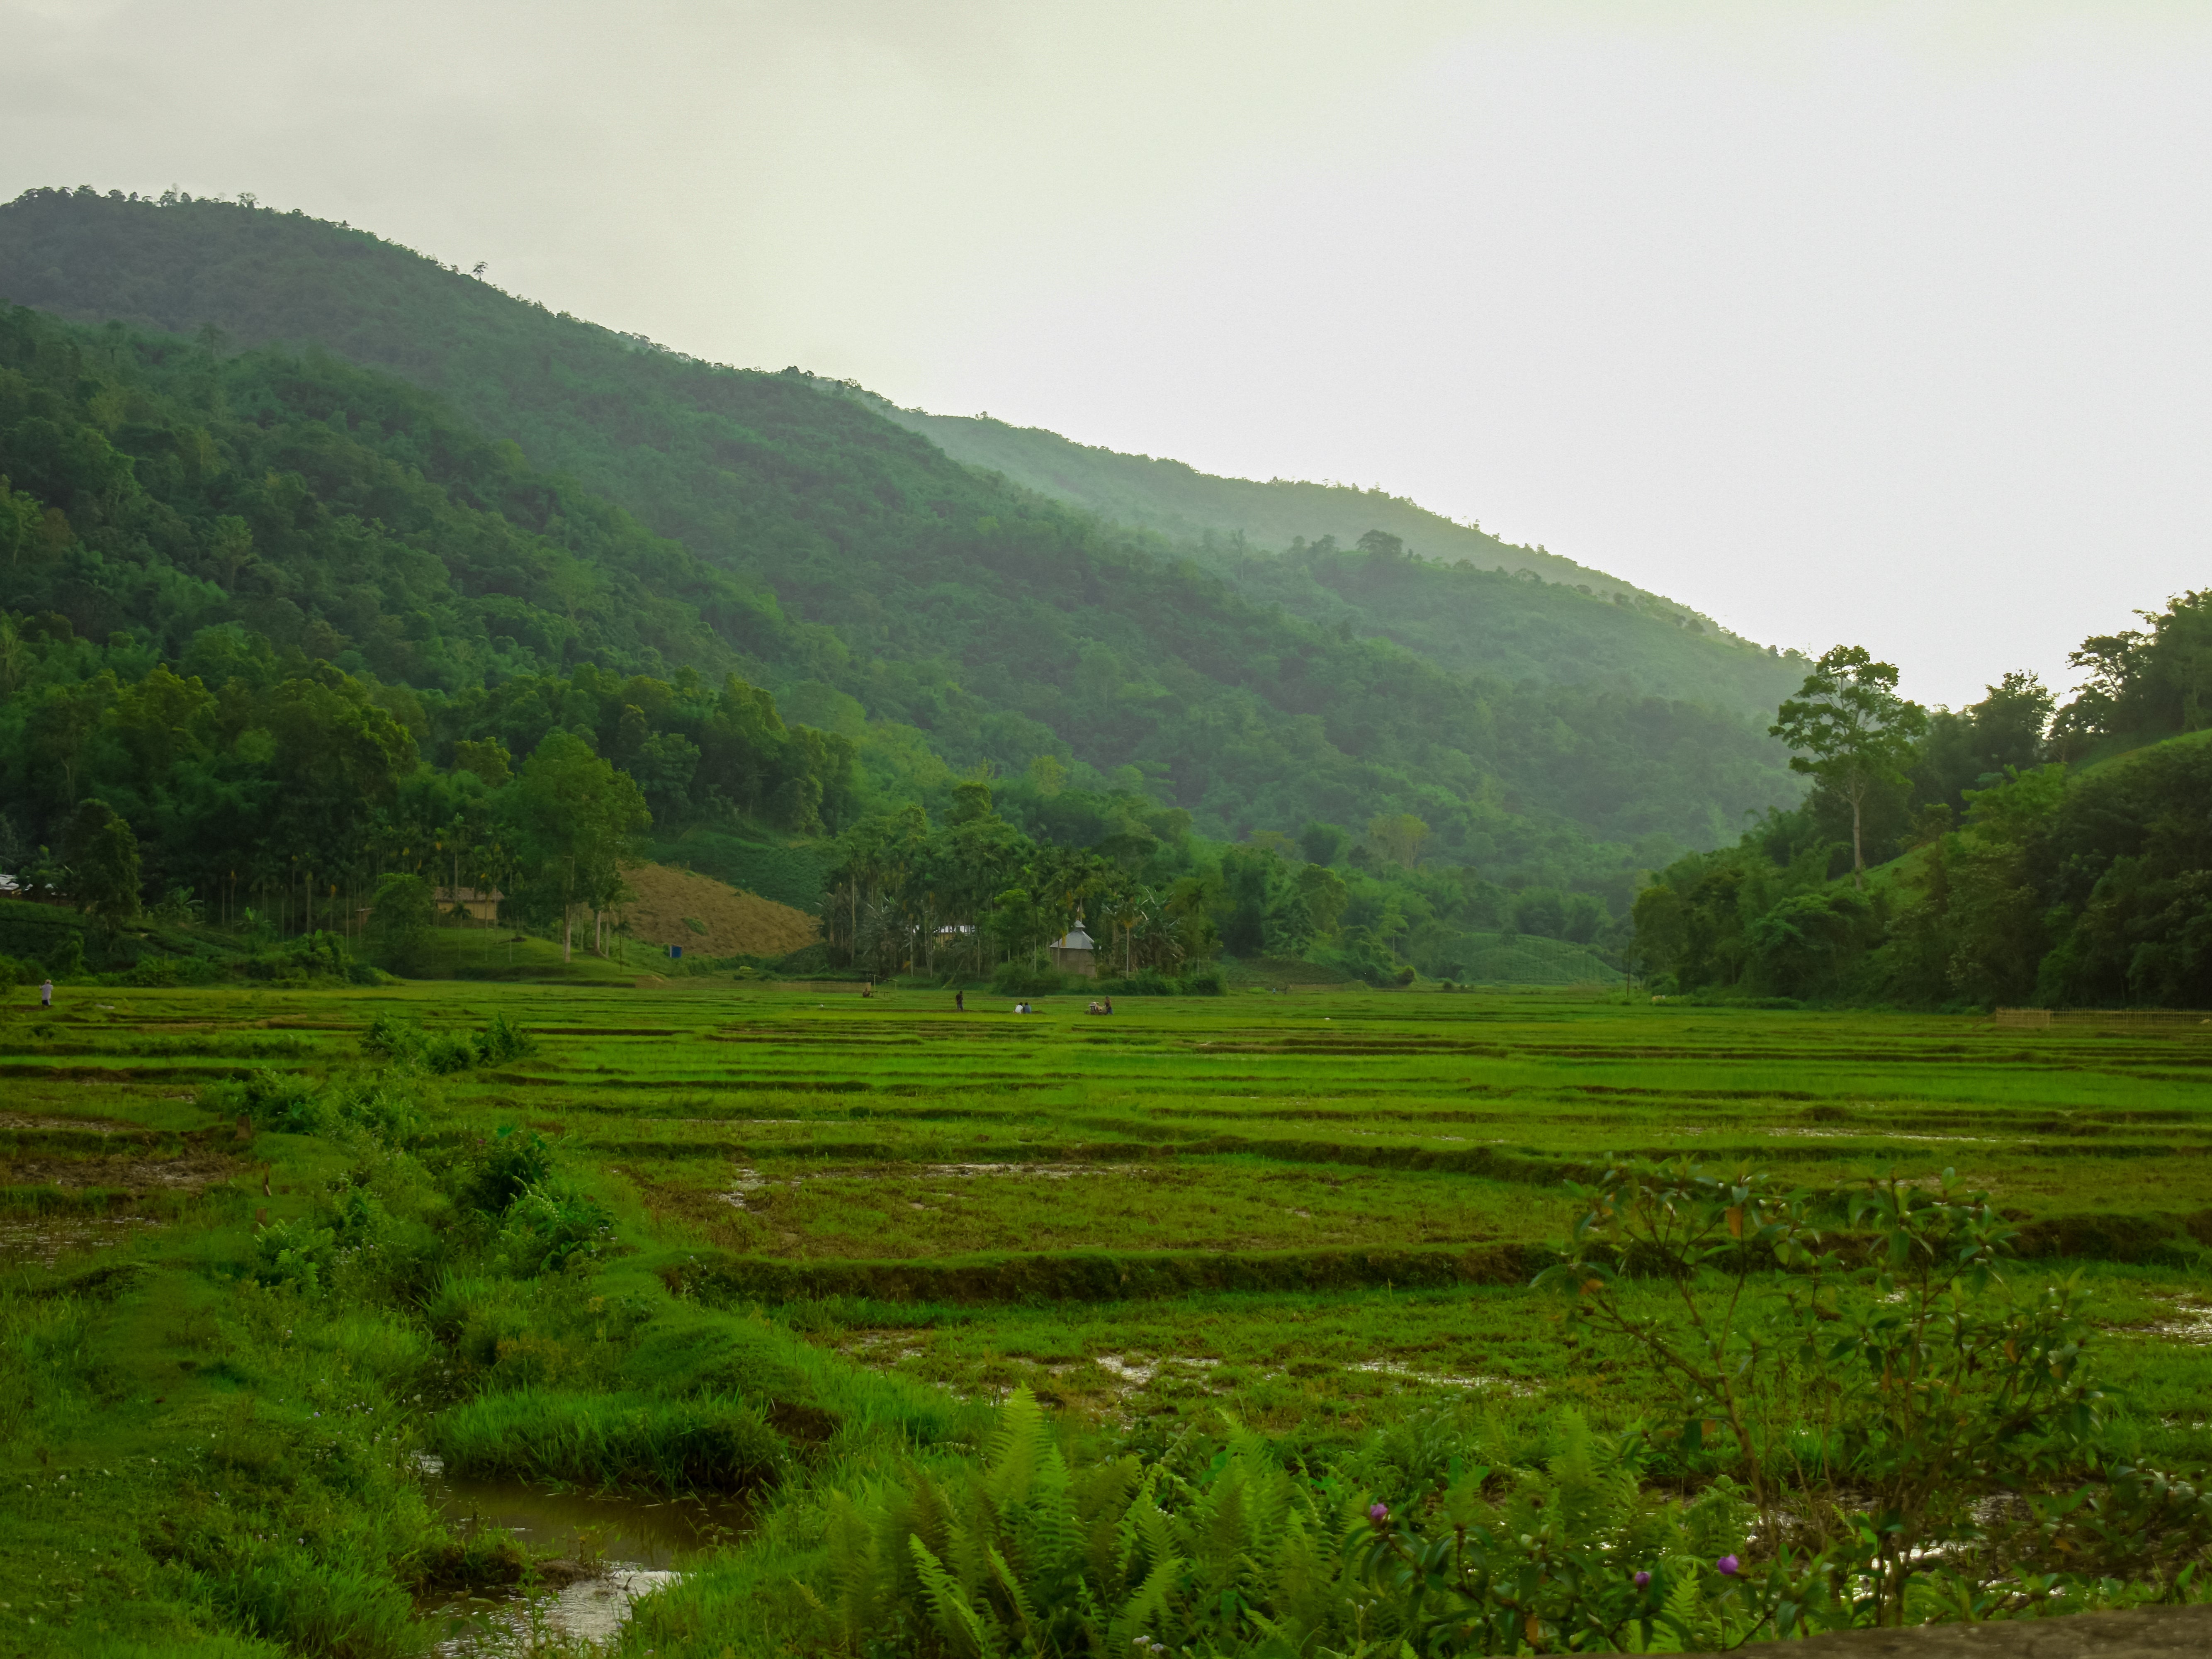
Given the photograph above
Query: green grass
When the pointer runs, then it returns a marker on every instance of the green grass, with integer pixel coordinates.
(838, 1229)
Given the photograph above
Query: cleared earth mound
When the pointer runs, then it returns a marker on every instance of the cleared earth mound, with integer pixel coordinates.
(711, 918)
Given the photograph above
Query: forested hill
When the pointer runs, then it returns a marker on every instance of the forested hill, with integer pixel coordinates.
(829, 552)
(1187, 505)
(1452, 594)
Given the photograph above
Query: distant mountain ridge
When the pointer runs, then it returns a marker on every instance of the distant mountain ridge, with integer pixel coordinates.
(1429, 585)
(983, 618)
(1185, 504)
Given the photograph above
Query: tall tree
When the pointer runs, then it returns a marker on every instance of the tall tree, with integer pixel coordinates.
(103, 863)
(576, 822)
(1399, 837)
(1851, 730)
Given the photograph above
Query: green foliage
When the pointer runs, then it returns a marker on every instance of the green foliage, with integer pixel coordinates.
(1227, 1550)
(103, 860)
(705, 1442)
(1376, 564)
(1871, 1424)
(508, 1165)
(397, 1040)
(401, 924)
(2061, 888)
(1089, 643)
(284, 1101)
(1150, 982)
(1020, 979)
(297, 1255)
(2142, 685)
(293, 1103)
(577, 821)
(1851, 730)
(549, 1226)
(502, 1040)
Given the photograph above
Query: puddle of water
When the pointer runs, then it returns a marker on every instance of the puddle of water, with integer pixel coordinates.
(591, 1609)
(1442, 1380)
(45, 1239)
(2191, 1323)
(1867, 1135)
(604, 1552)
(626, 1529)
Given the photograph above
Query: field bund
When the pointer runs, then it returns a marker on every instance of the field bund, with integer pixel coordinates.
(1252, 1186)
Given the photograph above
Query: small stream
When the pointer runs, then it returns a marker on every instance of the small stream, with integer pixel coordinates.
(606, 1551)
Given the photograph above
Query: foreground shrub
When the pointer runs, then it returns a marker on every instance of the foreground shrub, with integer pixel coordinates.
(508, 1165)
(282, 1101)
(1227, 1550)
(1869, 1414)
(398, 1040)
(290, 1102)
(549, 1225)
(502, 1041)
(401, 1040)
(297, 1254)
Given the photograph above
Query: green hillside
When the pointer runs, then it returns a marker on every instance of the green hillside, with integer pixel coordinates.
(1187, 505)
(1455, 595)
(2004, 874)
(833, 552)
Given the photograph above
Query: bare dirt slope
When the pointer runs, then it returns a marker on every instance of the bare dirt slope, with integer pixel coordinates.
(735, 923)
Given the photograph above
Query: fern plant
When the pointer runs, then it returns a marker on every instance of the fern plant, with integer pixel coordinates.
(1227, 1551)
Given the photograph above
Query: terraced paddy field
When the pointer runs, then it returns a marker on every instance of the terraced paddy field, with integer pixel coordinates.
(813, 1223)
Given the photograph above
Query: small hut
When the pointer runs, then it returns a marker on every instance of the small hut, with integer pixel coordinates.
(1073, 952)
(478, 904)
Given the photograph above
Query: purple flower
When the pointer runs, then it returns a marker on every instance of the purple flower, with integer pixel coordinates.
(1729, 1565)
(1644, 1581)
(1379, 1513)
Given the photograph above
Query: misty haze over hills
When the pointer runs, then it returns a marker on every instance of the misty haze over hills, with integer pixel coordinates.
(880, 576)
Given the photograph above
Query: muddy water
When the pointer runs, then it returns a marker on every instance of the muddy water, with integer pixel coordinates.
(617, 1548)
(45, 1237)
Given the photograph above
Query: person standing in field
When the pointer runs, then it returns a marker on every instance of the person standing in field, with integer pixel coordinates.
(959, 1002)
(46, 994)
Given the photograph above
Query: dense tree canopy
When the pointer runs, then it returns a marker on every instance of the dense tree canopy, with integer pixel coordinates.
(831, 551)
(282, 624)
(2032, 857)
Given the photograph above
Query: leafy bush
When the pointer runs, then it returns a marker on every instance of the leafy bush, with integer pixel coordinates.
(282, 1101)
(549, 1224)
(508, 1165)
(1151, 982)
(292, 1103)
(1227, 1550)
(403, 923)
(155, 970)
(1865, 1426)
(1019, 979)
(297, 1254)
(502, 1041)
(401, 1040)
(1365, 963)
(178, 908)
(384, 1108)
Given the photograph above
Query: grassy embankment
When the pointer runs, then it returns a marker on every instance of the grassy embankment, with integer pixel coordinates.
(784, 1234)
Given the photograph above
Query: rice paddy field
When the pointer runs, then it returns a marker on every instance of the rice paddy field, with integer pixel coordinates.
(1318, 1211)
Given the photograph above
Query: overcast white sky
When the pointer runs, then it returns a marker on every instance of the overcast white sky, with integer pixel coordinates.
(1889, 324)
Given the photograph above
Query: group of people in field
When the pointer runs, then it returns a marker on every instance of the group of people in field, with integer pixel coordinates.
(1103, 1005)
